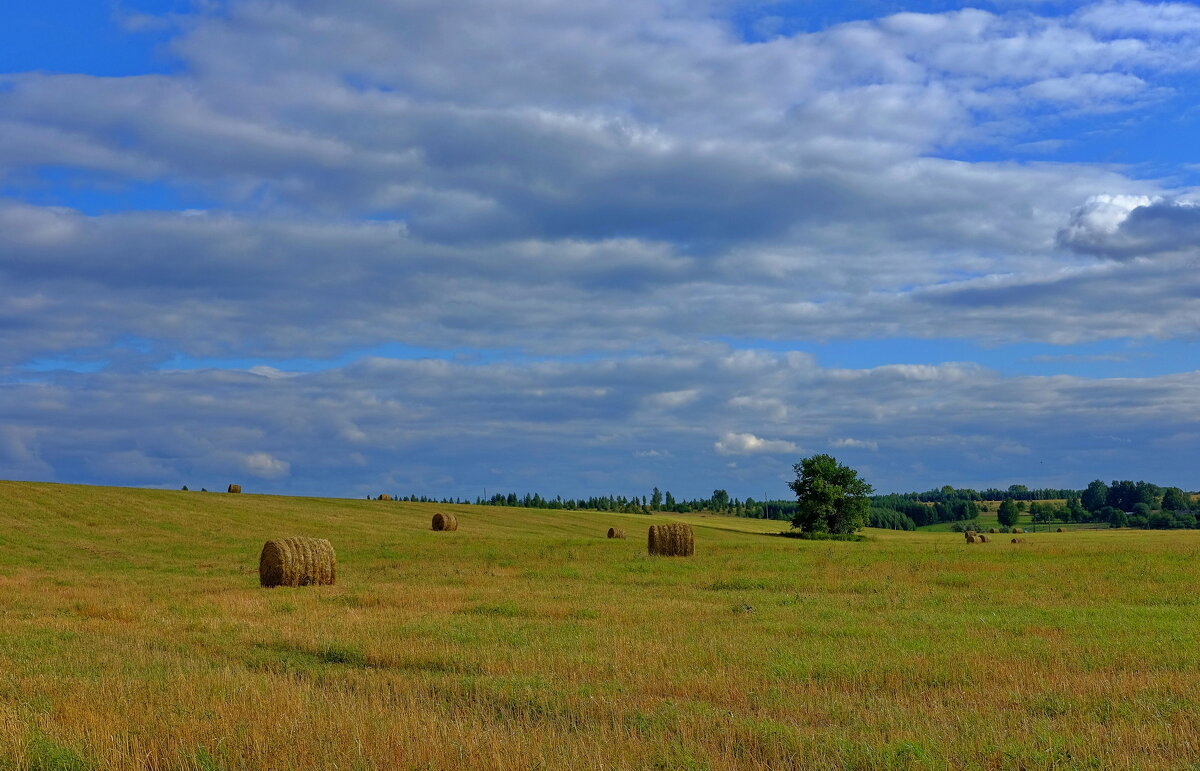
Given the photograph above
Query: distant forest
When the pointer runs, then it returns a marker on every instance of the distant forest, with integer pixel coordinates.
(1123, 503)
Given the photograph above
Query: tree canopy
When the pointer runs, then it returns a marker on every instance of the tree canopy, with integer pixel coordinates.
(1007, 514)
(830, 497)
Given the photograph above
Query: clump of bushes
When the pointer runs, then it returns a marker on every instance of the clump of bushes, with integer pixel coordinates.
(804, 535)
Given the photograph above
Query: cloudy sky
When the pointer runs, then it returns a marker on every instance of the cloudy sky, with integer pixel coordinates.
(342, 247)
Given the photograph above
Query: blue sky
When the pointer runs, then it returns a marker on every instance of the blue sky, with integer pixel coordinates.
(359, 247)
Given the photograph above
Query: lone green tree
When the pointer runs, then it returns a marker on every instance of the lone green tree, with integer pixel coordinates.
(1007, 513)
(831, 497)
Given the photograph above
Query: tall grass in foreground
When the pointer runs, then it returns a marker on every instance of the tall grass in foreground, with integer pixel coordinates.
(134, 635)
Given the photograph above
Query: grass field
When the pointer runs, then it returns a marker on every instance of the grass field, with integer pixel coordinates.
(134, 635)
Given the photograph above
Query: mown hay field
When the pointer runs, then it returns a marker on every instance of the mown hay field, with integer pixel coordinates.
(134, 635)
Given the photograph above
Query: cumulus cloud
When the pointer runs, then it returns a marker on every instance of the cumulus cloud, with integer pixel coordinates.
(1123, 226)
(856, 443)
(262, 464)
(749, 444)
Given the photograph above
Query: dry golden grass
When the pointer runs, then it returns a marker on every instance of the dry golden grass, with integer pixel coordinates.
(531, 641)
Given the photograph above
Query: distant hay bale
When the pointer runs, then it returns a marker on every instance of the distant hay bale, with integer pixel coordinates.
(1018, 540)
(384, 497)
(297, 562)
(1018, 530)
(969, 535)
(616, 532)
(993, 530)
(971, 538)
(1060, 530)
(445, 522)
(981, 538)
(674, 540)
(235, 488)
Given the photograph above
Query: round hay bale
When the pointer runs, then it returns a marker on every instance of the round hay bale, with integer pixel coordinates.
(993, 530)
(981, 538)
(971, 538)
(235, 488)
(384, 497)
(674, 540)
(1060, 530)
(297, 562)
(969, 535)
(1018, 530)
(1018, 540)
(445, 521)
(686, 542)
(616, 532)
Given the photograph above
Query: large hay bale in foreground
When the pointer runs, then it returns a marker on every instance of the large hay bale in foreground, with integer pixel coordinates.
(969, 535)
(297, 562)
(674, 540)
(445, 521)
(971, 538)
(616, 532)
(981, 538)
(235, 488)
(384, 497)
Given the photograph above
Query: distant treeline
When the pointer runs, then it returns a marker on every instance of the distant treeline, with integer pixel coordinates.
(1121, 504)
(1124, 503)
(720, 502)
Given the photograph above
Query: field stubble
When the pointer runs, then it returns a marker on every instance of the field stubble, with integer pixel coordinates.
(134, 635)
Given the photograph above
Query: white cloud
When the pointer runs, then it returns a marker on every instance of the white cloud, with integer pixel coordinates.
(262, 464)
(748, 444)
(1122, 226)
(856, 443)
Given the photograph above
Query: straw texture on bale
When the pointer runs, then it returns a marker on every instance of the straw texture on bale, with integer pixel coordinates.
(971, 538)
(235, 488)
(384, 497)
(969, 535)
(982, 538)
(674, 540)
(616, 532)
(445, 522)
(297, 562)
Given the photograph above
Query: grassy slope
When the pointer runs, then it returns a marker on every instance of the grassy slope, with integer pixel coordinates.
(133, 635)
